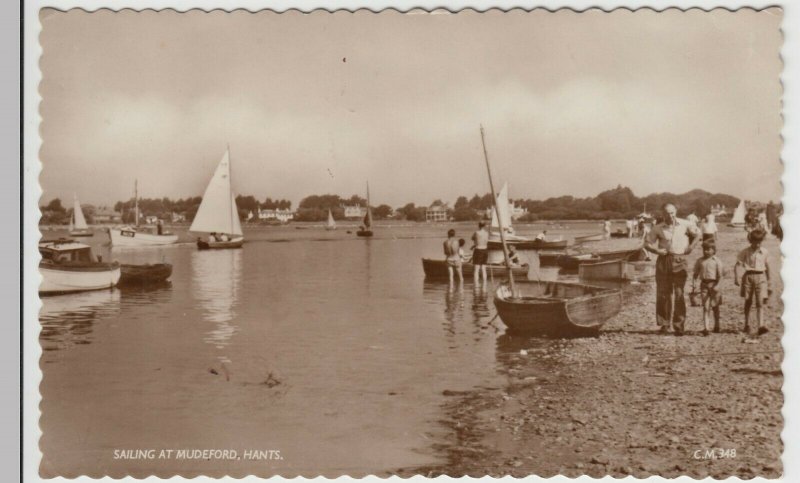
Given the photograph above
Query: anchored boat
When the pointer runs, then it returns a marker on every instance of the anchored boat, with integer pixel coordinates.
(218, 213)
(366, 230)
(77, 222)
(144, 274)
(69, 266)
(501, 216)
(556, 309)
(437, 269)
(133, 236)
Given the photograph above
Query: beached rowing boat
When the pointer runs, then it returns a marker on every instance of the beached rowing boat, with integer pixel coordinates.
(621, 270)
(437, 269)
(556, 309)
(572, 262)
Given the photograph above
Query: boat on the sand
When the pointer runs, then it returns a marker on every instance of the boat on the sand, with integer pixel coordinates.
(144, 274)
(437, 269)
(69, 266)
(619, 234)
(620, 270)
(218, 214)
(556, 309)
(573, 261)
(589, 238)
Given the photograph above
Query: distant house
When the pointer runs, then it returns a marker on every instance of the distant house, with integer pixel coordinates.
(279, 215)
(178, 217)
(105, 214)
(437, 212)
(151, 219)
(355, 211)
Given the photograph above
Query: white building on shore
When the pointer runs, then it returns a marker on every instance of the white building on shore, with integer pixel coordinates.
(354, 211)
(279, 215)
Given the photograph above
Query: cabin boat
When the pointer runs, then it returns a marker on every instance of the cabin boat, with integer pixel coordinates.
(556, 309)
(218, 214)
(69, 266)
(77, 222)
(437, 269)
(619, 270)
(133, 236)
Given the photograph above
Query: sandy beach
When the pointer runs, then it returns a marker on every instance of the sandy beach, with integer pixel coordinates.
(632, 401)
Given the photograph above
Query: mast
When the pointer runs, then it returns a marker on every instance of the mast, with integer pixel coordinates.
(369, 210)
(136, 199)
(230, 190)
(499, 221)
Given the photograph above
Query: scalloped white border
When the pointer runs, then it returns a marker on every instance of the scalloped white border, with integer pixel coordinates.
(32, 192)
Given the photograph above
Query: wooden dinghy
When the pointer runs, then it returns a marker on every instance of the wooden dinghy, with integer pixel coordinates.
(144, 274)
(525, 244)
(589, 238)
(217, 245)
(437, 269)
(572, 262)
(556, 309)
(617, 270)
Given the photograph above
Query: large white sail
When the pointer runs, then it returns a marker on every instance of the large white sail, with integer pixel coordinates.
(77, 214)
(503, 207)
(738, 215)
(218, 212)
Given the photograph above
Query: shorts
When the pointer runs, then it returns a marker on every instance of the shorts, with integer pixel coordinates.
(708, 236)
(454, 262)
(708, 290)
(754, 287)
(480, 256)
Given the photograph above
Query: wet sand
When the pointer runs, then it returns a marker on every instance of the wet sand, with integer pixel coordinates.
(632, 401)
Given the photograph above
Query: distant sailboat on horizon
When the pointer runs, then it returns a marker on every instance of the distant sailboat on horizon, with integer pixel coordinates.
(366, 229)
(331, 225)
(218, 213)
(77, 222)
(738, 219)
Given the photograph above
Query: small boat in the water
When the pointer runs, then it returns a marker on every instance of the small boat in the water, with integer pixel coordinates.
(144, 274)
(133, 236)
(437, 269)
(620, 270)
(521, 243)
(589, 238)
(77, 222)
(738, 218)
(331, 225)
(556, 309)
(366, 228)
(503, 207)
(218, 214)
(69, 266)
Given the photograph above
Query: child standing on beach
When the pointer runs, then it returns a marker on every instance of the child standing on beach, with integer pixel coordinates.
(755, 281)
(709, 270)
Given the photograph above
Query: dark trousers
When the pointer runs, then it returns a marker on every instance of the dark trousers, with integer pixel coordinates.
(670, 300)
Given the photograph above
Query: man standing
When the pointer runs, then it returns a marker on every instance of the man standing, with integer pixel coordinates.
(480, 254)
(672, 240)
(453, 258)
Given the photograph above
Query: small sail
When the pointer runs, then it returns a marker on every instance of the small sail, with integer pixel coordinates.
(77, 214)
(503, 206)
(218, 212)
(331, 221)
(368, 218)
(738, 215)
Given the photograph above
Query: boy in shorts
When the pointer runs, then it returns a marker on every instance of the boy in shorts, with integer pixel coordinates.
(755, 281)
(708, 270)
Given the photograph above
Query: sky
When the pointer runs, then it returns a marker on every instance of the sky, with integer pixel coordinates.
(571, 103)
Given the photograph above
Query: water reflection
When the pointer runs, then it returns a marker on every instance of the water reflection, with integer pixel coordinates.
(216, 278)
(68, 319)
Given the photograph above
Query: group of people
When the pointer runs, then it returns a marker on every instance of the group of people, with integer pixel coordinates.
(673, 240)
(218, 237)
(456, 256)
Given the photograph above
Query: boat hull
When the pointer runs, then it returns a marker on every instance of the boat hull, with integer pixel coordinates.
(590, 238)
(221, 245)
(364, 233)
(530, 244)
(620, 270)
(121, 237)
(437, 269)
(556, 309)
(81, 233)
(573, 262)
(58, 279)
(144, 274)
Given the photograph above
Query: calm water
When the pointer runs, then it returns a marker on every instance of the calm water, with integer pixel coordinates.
(331, 349)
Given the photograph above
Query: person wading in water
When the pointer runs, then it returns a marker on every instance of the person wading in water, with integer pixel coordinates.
(480, 254)
(672, 240)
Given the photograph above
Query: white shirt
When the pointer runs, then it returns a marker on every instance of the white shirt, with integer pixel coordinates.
(673, 238)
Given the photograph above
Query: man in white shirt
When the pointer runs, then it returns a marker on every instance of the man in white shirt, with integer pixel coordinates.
(671, 240)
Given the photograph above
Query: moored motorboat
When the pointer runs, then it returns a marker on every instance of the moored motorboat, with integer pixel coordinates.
(556, 309)
(69, 266)
(144, 274)
(620, 270)
(130, 236)
(437, 269)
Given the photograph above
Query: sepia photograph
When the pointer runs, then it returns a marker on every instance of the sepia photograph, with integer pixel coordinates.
(349, 243)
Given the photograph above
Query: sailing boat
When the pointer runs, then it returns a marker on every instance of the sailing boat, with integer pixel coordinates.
(331, 222)
(503, 210)
(218, 214)
(738, 221)
(132, 236)
(366, 229)
(77, 223)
